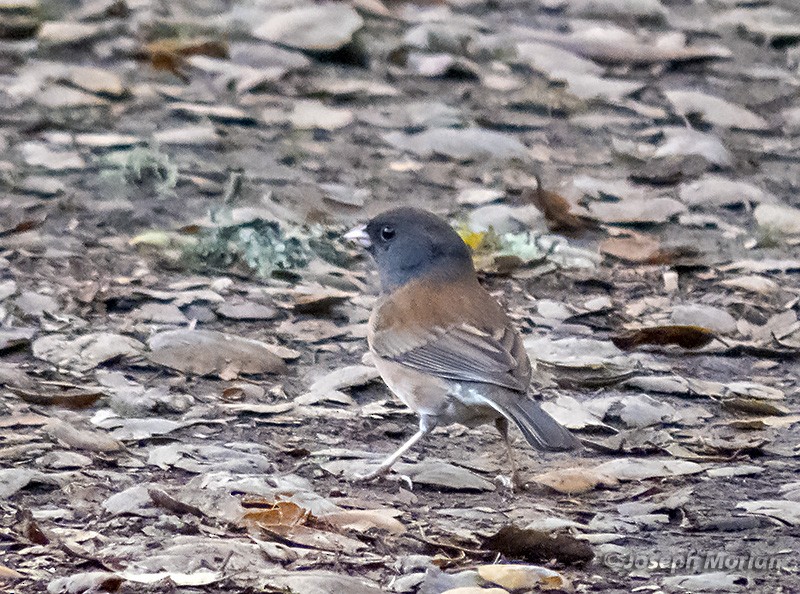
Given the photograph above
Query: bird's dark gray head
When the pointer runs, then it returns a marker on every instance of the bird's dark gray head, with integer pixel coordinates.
(409, 243)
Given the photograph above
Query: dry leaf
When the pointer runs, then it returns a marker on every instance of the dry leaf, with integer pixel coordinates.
(320, 302)
(362, 520)
(288, 522)
(207, 352)
(8, 573)
(557, 211)
(637, 248)
(688, 337)
(69, 398)
(641, 248)
(536, 546)
(171, 54)
(279, 513)
(575, 480)
(523, 577)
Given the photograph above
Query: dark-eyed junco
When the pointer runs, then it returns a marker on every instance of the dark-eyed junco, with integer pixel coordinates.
(441, 343)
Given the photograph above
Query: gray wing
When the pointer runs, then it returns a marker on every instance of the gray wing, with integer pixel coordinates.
(462, 353)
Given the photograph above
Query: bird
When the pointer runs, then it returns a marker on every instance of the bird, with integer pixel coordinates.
(441, 343)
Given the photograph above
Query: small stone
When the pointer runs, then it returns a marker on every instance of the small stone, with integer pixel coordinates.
(637, 210)
(785, 219)
(314, 114)
(40, 185)
(728, 471)
(671, 279)
(478, 196)
(98, 81)
(8, 288)
(61, 460)
(39, 154)
(35, 304)
(707, 316)
(108, 140)
(61, 97)
(346, 195)
(247, 311)
(160, 313)
(221, 113)
(57, 33)
(464, 144)
(713, 191)
(554, 310)
(320, 27)
(715, 110)
(198, 135)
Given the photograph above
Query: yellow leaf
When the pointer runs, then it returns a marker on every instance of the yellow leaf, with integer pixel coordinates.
(473, 239)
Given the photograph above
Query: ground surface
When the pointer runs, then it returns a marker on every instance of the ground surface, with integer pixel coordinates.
(145, 145)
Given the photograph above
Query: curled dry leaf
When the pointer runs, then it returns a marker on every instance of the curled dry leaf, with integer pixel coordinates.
(362, 520)
(642, 248)
(207, 352)
(164, 500)
(8, 573)
(82, 439)
(278, 513)
(575, 480)
(289, 522)
(26, 526)
(537, 546)
(523, 577)
(93, 581)
(85, 352)
(688, 337)
(69, 398)
(171, 54)
(557, 210)
(320, 302)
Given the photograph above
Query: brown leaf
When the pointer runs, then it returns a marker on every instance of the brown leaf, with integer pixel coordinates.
(26, 526)
(641, 248)
(171, 54)
(8, 573)
(70, 398)
(557, 211)
(278, 513)
(638, 247)
(688, 337)
(575, 480)
(208, 352)
(320, 302)
(23, 226)
(23, 420)
(291, 524)
(538, 546)
(163, 499)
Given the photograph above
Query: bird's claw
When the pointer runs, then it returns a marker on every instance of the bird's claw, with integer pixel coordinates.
(513, 483)
(366, 478)
(504, 481)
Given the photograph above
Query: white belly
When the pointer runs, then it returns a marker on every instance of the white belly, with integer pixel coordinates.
(448, 402)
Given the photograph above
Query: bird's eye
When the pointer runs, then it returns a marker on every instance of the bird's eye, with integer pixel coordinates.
(387, 233)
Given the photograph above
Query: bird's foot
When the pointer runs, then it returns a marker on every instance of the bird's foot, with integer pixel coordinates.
(380, 471)
(505, 481)
(514, 483)
(367, 478)
(373, 476)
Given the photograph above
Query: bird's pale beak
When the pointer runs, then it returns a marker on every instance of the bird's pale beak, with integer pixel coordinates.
(359, 235)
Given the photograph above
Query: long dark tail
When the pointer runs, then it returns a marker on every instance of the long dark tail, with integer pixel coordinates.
(541, 430)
